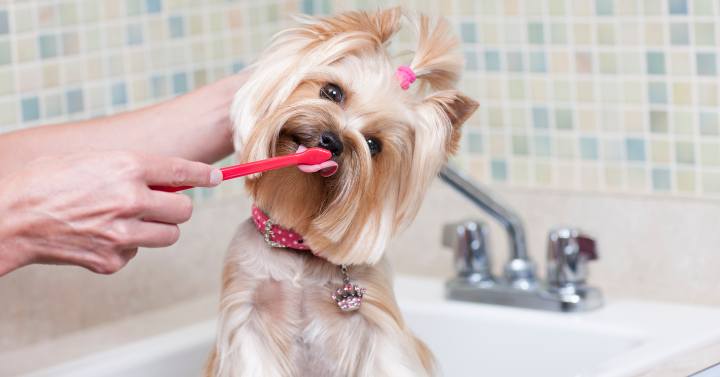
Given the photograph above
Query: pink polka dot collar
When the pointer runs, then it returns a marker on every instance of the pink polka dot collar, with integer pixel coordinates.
(275, 235)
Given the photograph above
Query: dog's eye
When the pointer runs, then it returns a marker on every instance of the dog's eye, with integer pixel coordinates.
(333, 93)
(374, 145)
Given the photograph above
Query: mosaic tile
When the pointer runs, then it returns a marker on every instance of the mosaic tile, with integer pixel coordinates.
(48, 46)
(613, 150)
(678, 7)
(709, 124)
(657, 93)
(703, 7)
(536, 34)
(52, 105)
(655, 63)
(30, 109)
(179, 83)
(537, 62)
(542, 146)
(176, 27)
(709, 154)
(68, 13)
(118, 94)
(498, 170)
(468, 33)
(589, 148)
(635, 149)
(707, 94)
(8, 113)
(4, 22)
(682, 122)
(684, 152)
(660, 151)
(680, 34)
(565, 147)
(604, 7)
(659, 122)
(654, 33)
(70, 43)
(474, 141)
(680, 63)
(606, 34)
(557, 7)
(607, 62)
(661, 179)
(7, 82)
(74, 101)
(558, 33)
(540, 118)
(685, 181)
(134, 34)
(5, 52)
(706, 64)
(704, 33)
(711, 182)
(47, 15)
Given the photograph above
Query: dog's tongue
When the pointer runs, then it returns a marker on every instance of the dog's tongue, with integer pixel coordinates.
(326, 168)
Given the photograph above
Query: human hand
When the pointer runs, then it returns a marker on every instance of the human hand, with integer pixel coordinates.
(94, 209)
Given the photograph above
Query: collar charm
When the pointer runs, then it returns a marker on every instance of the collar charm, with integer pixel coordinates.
(348, 298)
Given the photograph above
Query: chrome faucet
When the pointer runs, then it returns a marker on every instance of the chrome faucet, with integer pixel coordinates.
(569, 251)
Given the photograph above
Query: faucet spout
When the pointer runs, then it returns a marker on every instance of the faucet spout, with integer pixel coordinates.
(519, 270)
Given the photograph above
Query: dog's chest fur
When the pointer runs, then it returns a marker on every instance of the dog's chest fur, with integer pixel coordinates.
(284, 322)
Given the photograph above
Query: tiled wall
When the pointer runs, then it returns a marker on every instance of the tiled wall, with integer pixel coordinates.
(594, 95)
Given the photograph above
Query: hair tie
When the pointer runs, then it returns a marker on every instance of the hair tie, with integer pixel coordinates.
(406, 76)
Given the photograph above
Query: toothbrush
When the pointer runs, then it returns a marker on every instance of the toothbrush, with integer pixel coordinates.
(310, 156)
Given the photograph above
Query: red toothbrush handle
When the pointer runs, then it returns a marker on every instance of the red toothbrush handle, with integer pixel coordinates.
(309, 157)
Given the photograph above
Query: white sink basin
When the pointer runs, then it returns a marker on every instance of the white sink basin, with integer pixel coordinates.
(621, 339)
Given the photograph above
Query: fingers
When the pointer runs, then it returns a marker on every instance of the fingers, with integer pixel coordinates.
(167, 208)
(170, 171)
(152, 234)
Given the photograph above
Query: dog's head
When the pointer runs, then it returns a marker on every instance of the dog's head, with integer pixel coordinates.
(331, 83)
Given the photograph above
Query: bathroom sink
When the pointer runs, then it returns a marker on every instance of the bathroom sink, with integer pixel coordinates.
(622, 339)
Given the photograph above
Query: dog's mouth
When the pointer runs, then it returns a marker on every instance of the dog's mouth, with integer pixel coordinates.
(326, 169)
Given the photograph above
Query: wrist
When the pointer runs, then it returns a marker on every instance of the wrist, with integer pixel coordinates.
(13, 254)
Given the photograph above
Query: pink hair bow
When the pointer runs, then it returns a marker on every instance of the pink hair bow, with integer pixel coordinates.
(406, 76)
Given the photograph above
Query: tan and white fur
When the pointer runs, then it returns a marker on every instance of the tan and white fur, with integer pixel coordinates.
(276, 315)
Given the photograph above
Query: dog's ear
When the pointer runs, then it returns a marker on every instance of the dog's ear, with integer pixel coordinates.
(381, 25)
(449, 108)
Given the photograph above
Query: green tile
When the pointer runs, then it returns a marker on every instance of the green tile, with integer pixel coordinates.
(702, 7)
(604, 7)
(710, 154)
(535, 33)
(709, 124)
(606, 34)
(556, 7)
(134, 7)
(520, 145)
(659, 122)
(607, 63)
(5, 52)
(558, 33)
(661, 179)
(475, 144)
(68, 13)
(705, 34)
(563, 119)
(684, 152)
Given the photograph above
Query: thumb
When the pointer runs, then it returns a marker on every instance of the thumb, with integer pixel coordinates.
(178, 172)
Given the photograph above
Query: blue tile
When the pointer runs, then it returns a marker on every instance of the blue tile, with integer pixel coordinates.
(537, 62)
(542, 146)
(308, 7)
(678, 6)
(48, 45)
(680, 34)
(177, 26)
(237, 67)
(475, 144)
(657, 92)
(492, 61)
(498, 169)
(75, 103)
(118, 93)
(706, 64)
(30, 109)
(179, 83)
(589, 148)
(134, 34)
(604, 7)
(468, 32)
(515, 62)
(661, 179)
(4, 25)
(655, 63)
(5, 53)
(158, 86)
(635, 149)
(540, 117)
(535, 33)
(563, 119)
(471, 61)
(153, 6)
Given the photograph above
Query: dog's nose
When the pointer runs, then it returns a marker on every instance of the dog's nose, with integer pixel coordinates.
(331, 141)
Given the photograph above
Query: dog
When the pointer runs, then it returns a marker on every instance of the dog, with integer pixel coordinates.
(305, 288)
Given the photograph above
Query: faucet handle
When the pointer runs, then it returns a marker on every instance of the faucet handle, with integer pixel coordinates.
(569, 251)
(468, 239)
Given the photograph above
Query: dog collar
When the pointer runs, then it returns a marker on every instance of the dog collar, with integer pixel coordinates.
(275, 235)
(348, 297)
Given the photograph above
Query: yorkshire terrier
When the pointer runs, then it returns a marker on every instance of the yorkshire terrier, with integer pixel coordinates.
(306, 290)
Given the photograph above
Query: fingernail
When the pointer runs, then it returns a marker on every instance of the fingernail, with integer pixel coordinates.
(216, 177)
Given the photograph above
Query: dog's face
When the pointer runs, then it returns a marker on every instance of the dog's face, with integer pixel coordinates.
(331, 84)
